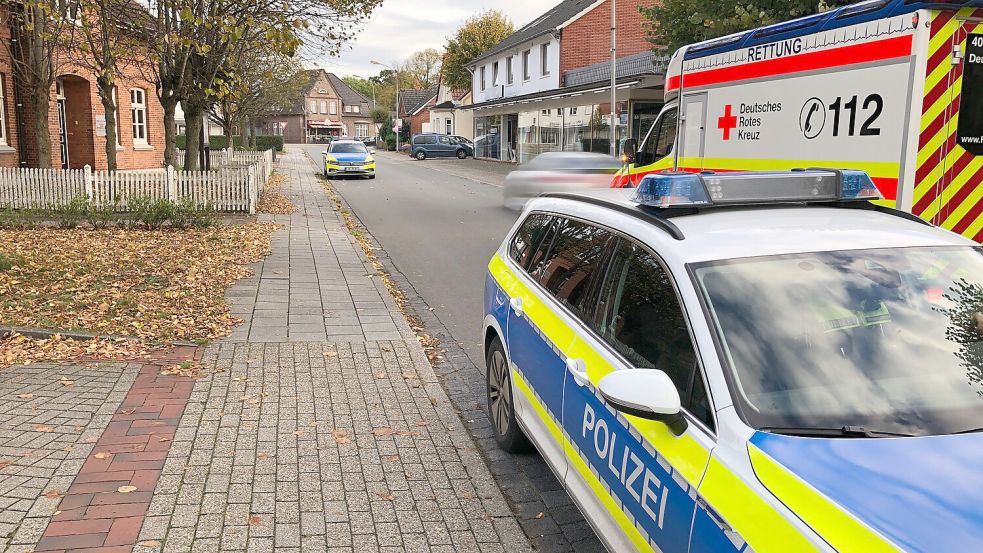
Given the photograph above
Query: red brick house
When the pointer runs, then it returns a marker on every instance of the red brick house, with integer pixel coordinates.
(77, 119)
(414, 108)
(329, 108)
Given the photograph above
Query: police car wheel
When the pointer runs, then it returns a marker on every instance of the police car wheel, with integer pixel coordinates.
(501, 408)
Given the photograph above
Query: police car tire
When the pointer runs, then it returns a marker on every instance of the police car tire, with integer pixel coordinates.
(512, 440)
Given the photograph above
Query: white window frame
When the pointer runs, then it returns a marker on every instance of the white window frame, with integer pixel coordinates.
(313, 106)
(3, 110)
(526, 75)
(448, 126)
(573, 110)
(324, 106)
(138, 116)
(495, 74)
(544, 59)
(355, 109)
(332, 108)
(119, 139)
(482, 77)
(509, 78)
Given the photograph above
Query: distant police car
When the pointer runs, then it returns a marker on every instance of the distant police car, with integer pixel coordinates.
(708, 370)
(348, 158)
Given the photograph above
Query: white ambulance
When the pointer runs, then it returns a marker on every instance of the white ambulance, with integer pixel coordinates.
(892, 87)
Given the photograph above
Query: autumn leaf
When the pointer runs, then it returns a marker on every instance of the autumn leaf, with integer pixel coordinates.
(331, 354)
(126, 489)
(387, 496)
(255, 520)
(149, 543)
(380, 376)
(341, 437)
(52, 494)
(540, 515)
(385, 431)
(43, 428)
(25, 396)
(102, 455)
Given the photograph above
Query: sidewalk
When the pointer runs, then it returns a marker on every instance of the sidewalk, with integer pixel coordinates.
(319, 426)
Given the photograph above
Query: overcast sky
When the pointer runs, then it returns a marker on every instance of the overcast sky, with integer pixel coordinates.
(400, 27)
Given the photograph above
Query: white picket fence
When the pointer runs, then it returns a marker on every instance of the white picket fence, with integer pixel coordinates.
(233, 187)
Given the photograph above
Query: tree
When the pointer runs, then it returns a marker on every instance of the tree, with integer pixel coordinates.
(40, 27)
(109, 33)
(379, 114)
(263, 81)
(473, 38)
(365, 87)
(198, 42)
(675, 23)
(424, 66)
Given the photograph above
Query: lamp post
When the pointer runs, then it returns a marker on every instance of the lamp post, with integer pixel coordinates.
(614, 77)
(396, 72)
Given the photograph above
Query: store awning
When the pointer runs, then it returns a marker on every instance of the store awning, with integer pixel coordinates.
(326, 124)
(556, 94)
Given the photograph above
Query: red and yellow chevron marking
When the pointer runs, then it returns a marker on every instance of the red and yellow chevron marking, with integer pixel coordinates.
(948, 179)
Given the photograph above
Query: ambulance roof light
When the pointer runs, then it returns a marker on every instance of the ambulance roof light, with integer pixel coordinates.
(691, 190)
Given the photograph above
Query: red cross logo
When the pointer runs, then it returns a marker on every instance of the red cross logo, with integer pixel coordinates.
(727, 122)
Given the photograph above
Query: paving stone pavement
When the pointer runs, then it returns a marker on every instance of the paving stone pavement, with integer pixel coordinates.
(51, 417)
(321, 425)
(316, 285)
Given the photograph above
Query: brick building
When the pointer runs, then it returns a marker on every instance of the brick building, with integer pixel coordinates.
(329, 108)
(561, 64)
(77, 119)
(414, 108)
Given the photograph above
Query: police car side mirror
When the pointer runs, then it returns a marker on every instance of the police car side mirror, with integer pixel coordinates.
(646, 393)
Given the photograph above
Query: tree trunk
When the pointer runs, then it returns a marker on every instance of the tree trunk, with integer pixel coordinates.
(40, 98)
(105, 88)
(192, 126)
(170, 132)
(244, 133)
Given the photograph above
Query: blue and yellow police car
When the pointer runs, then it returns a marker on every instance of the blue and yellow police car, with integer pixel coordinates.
(744, 362)
(350, 158)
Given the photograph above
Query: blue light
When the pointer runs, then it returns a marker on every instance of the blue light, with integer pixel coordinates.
(668, 190)
(671, 189)
(857, 185)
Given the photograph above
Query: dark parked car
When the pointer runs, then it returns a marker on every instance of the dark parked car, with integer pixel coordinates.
(438, 145)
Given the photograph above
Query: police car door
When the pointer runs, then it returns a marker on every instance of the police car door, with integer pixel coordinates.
(641, 478)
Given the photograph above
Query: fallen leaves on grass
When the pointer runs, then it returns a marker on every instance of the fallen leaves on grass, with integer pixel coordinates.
(273, 201)
(158, 286)
(19, 349)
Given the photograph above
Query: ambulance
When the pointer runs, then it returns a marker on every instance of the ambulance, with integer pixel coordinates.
(890, 87)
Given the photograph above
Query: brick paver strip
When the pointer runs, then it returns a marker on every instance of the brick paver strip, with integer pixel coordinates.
(94, 515)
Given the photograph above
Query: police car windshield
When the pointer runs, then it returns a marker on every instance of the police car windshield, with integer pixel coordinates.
(348, 148)
(890, 339)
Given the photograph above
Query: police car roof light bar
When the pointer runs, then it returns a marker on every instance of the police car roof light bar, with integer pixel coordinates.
(691, 190)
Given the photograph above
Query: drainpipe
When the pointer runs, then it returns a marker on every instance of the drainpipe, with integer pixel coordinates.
(18, 96)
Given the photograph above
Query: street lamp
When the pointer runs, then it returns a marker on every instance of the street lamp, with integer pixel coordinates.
(396, 72)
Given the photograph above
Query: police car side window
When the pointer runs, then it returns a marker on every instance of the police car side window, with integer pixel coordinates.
(639, 315)
(528, 237)
(577, 252)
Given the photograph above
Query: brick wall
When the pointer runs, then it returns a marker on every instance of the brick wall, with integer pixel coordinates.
(83, 108)
(587, 40)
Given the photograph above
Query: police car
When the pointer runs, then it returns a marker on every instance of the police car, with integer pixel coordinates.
(745, 362)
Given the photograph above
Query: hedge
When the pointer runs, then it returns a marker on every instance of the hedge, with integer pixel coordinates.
(263, 142)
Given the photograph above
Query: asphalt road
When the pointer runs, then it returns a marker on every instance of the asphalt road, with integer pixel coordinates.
(440, 230)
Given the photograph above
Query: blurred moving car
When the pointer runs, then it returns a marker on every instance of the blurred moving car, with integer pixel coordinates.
(558, 172)
(426, 145)
(349, 158)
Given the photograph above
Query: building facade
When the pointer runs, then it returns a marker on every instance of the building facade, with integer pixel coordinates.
(547, 86)
(414, 107)
(446, 116)
(329, 109)
(77, 119)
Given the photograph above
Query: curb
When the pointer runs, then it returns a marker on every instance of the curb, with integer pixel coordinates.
(44, 334)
